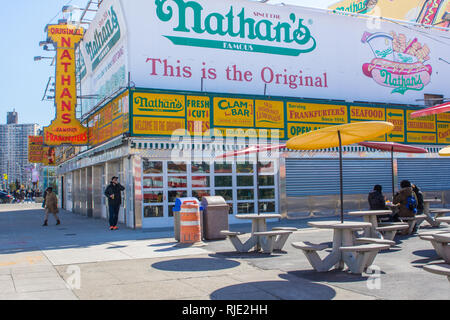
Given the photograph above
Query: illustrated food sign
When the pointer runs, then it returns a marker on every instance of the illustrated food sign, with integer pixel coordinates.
(66, 129)
(110, 121)
(398, 63)
(35, 149)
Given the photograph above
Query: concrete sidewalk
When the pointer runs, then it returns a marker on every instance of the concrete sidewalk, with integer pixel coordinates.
(83, 259)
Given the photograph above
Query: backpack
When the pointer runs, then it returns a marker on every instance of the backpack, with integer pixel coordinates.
(411, 204)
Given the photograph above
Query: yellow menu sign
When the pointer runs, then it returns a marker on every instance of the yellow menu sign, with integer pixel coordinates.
(312, 112)
(367, 113)
(443, 133)
(157, 126)
(151, 104)
(269, 114)
(198, 115)
(296, 129)
(397, 118)
(415, 137)
(422, 124)
(443, 117)
(233, 112)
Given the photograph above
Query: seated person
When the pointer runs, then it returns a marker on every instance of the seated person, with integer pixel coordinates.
(401, 198)
(377, 201)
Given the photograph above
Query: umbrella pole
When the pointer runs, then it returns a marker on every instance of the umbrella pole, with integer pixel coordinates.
(392, 166)
(341, 177)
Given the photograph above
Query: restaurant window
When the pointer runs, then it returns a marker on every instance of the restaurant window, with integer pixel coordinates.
(200, 182)
(266, 194)
(153, 211)
(246, 167)
(266, 181)
(245, 194)
(226, 194)
(223, 168)
(199, 194)
(223, 181)
(173, 167)
(433, 99)
(153, 182)
(267, 207)
(245, 181)
(246, 207)
(152, 167)
(199, 168)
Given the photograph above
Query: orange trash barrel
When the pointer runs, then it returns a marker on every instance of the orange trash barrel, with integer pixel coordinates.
(190, 229)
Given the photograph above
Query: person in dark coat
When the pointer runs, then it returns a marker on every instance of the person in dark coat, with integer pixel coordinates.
(114, 195)
(401, 198)
(51, 206)
(377, 201)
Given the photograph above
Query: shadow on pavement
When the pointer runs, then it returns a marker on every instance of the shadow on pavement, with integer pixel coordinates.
(330, 276)
(195, 264)
(275, 290)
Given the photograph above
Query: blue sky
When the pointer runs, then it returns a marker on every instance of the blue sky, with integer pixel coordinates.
(23, 81)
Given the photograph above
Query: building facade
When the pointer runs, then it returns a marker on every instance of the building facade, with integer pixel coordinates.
(181, 82)
(14, 153)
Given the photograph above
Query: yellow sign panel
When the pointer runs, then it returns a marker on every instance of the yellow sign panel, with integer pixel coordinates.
(249, 133)
(443, 132)
(443, 117)
(198, 115)
(233, 112)
(151, 104)
(49, 156)
(425, 138)
(117, 127)
(423, 124)
(367, 113)
(35, 149)
(296, 129)
(312, 112)
(397, 118)
(157, 126)
(66, 128)
(269, 114)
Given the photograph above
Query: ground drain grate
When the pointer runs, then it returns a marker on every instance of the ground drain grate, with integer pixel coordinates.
(70, 234)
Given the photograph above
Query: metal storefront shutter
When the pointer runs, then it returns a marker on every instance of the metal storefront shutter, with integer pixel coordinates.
(428, 174)
(321, 176)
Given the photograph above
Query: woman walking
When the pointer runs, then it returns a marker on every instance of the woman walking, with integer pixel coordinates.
(51, 206)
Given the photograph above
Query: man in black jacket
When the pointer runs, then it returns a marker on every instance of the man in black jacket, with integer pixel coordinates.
(114, 195)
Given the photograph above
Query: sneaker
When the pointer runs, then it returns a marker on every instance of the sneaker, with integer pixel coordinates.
(111, 228)
(116, 228)
(45, 224)
(58, 223)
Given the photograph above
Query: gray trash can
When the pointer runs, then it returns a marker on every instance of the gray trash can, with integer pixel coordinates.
(215, 217)
(176, 214)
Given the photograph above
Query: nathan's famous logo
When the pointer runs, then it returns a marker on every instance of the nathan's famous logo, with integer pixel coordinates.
(158, 104)
(105, 36)
(398, 62)
(357, 6)
(234, 25)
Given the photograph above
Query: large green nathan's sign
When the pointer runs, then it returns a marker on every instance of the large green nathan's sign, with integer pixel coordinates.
(236, 25)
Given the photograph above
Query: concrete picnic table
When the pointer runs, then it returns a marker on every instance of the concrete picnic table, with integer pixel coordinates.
(370, 216)
(259, 224)
(438, 213)
(342, 237)
(426, 211)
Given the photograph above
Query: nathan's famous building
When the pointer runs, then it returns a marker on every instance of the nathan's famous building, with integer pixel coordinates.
(180, 82)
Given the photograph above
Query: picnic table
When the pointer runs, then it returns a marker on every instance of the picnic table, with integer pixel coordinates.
(426, 211)
(435, 214)
(386, 231)
(260, 237)
(440, 242)
(344, 251)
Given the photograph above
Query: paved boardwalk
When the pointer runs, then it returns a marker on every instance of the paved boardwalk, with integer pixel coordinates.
(44, 263)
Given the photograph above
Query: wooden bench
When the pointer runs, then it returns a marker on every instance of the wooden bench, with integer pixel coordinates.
(359, 258)
(442, 269)
(272, 240)
(310, 250)
(412, 222)
(390, 230)
(237, 243)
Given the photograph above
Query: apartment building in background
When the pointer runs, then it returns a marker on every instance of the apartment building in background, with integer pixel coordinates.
(14, 151)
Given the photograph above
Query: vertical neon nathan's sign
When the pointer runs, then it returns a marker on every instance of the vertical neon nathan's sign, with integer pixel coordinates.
(66, 129)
